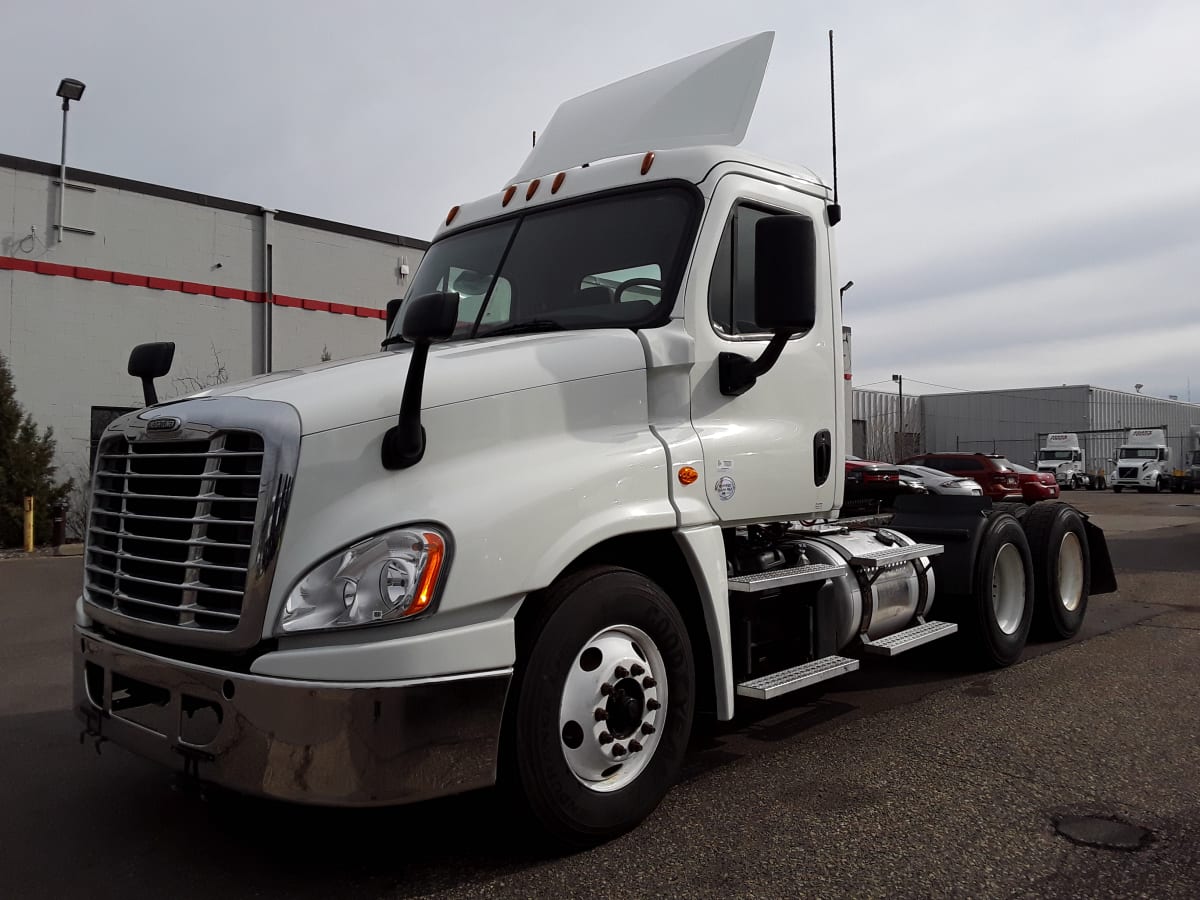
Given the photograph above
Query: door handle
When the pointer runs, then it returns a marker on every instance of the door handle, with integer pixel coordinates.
(822, 456)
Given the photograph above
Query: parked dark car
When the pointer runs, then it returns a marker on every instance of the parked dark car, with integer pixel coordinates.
(994, 473)
(872, 487)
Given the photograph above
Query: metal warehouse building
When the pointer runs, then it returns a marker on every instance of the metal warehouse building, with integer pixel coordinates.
(240, 289)
(1014, 422)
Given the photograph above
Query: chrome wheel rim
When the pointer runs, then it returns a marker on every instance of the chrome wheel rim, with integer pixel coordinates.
(1008, 589)
(614, 704)
(1070, 572)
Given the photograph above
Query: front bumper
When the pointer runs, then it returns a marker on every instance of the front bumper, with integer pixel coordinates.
(340, 744)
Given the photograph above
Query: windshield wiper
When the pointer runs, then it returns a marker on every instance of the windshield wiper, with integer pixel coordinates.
(530, 325)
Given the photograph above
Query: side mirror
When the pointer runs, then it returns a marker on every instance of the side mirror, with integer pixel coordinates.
(430, 317)
(393, 307)
(785, 295)
(150, 361)
(785, 273)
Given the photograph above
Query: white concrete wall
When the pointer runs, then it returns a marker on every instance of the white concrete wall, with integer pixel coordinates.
(67, 340)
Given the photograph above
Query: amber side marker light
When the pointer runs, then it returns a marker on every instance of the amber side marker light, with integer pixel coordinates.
(557, 183)
(424, 596)
(532, 189)
(688, 475)
(450, 216)
(508, 194)
(647, 162)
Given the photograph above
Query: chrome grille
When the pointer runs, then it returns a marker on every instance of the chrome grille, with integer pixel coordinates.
(171, 531)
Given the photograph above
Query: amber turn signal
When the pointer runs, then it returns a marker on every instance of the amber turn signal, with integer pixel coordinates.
(687, 475)
(436, 549)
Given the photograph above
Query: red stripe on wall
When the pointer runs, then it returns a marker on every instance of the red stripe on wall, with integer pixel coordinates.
(130, 279)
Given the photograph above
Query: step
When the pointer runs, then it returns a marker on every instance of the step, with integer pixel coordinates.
(909, 638)
(767, 686)
(779, 578)
(891, 556)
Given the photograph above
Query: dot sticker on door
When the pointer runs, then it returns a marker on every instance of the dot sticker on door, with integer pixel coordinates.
(725, 487)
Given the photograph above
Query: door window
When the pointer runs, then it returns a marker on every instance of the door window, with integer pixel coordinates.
(731, 288)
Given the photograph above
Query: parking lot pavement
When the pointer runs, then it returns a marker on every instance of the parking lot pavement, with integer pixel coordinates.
(913, 778)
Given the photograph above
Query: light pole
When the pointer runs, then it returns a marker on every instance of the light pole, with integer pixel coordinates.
(899, 379)
(69, 89)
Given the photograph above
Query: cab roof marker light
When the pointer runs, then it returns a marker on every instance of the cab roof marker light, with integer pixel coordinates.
(450, 216)
(647, 162)
(557, 183)
(532, 189)
(508, 194)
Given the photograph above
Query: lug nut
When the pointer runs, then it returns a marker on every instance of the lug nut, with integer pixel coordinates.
(621, 672)
(606, 689)
(605, 738)
(636, 671)
(652, 704)
(647, 728)
(649, 682)
(601, 714)
(619, 750)
(634, 747)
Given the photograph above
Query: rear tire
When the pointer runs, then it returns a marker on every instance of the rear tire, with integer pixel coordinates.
(589, 636)
(996, 616)
(1061, 569)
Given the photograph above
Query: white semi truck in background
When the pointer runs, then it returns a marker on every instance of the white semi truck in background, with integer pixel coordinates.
(1142, 462)
(1064, 458)
(589, 486)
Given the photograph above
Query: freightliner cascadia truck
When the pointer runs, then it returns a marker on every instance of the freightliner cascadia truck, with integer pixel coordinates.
(588, 487)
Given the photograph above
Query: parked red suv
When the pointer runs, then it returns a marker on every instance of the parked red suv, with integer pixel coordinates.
(993, 472)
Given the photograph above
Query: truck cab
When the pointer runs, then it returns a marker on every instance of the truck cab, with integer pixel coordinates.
(590, 484)
(1143, 462)
(1064, 458)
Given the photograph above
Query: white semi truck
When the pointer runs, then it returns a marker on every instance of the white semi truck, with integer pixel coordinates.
(589, 486)
(1066, 460)
(1143, 462)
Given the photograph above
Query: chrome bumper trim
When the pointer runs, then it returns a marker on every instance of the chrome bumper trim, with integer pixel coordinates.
(324, 743)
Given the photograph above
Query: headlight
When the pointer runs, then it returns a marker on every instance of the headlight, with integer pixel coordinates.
(390, 576)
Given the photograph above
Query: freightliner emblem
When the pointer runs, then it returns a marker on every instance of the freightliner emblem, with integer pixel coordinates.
(163, 423)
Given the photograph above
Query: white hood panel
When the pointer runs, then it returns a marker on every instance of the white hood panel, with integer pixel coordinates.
(370, 387)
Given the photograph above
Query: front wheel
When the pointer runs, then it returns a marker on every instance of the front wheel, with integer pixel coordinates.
(1116, 489)
(604, 704)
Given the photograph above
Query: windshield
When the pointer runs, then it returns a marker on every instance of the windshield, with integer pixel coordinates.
(1067, 455)
(611, 262)
(1138, 453)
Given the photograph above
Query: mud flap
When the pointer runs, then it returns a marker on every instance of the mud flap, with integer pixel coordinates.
(1103, 580)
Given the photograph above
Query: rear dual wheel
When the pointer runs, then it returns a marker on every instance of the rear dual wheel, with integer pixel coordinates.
(1062, 568)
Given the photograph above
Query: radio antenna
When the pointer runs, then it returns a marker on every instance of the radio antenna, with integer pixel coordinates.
(835, 210)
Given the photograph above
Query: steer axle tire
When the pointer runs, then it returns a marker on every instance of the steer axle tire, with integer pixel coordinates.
(601, 705)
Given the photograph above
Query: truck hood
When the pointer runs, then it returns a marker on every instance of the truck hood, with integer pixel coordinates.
(369, 387)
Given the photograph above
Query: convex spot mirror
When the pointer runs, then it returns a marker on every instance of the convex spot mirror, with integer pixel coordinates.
(430, 317)
(785, 273)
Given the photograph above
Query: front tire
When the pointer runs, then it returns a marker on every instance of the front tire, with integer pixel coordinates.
(1116, 489)
(1061, 558)
(604, 704)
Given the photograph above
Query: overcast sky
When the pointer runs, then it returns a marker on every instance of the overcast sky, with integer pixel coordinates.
(1021, 181)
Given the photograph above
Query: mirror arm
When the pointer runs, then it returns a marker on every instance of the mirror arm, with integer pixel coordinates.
(404, 442)
(148, 391)
(738, 374)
